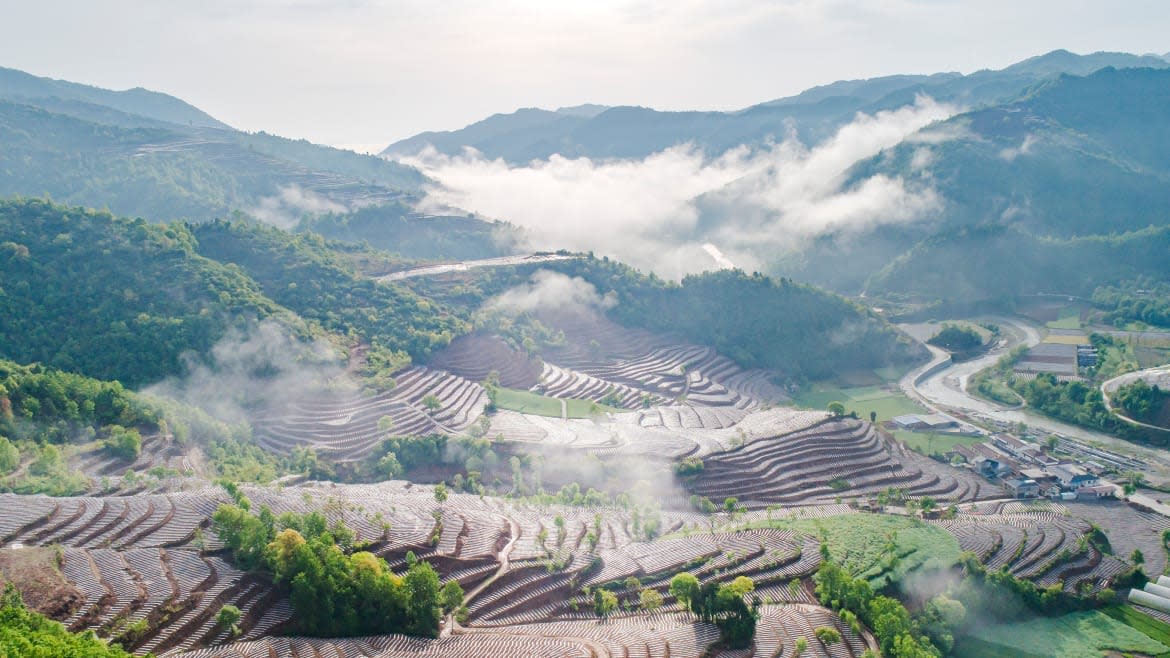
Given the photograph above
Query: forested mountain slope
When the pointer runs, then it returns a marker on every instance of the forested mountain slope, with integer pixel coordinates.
(1068, 187)
(146, 154)
(310, 276)
(114, 298)
(799, 331)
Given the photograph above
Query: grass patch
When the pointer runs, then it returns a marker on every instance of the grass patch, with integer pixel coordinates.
(1075, 635)
(862, 399)
(973, 647)
(934, 443)
(588, 408)
(1069, 318)
(527, 402)
(1152, 628)
(1149, 357)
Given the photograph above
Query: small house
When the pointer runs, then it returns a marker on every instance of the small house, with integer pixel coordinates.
(1073, 477)
(1042, 477)
(1096, 491)
(1022, 488)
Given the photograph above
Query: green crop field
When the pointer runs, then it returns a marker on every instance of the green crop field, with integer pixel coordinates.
(862, 399)
(862, 542)
(1076, 635)
(934, 443)
(528, 402)
(1070, 318)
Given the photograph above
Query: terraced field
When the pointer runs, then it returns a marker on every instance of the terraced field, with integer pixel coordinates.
(140, 558)
(146, 568)
(1043, 544)
(830, 460)
(343, 426)
(653, 636)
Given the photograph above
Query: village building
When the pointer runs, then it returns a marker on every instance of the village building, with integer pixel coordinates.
(1022, 487)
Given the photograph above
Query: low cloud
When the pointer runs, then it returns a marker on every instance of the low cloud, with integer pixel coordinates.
(1025, 148)
(251, 369)
(667, 211)
(550, 291)
(286, 208)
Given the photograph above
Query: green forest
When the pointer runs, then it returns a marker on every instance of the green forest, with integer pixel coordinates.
(803, 332)
(114, 298)
(305, 273)
(1143, 300)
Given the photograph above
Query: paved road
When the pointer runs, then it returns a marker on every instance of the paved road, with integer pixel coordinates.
(1159, 376)
(463, 266)
(946, 390)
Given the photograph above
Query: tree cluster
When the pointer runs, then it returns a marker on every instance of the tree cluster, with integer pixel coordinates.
(1141, 401)
(899, 634)
(957, 338)
(335, 588)
(722, 605)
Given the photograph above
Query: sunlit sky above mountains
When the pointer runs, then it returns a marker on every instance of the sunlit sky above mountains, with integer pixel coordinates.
(362, 74)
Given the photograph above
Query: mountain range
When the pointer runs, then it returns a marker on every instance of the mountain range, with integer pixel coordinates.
(597, 131)
(1053, 177)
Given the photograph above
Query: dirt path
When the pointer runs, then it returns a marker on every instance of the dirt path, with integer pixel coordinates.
(505, 564)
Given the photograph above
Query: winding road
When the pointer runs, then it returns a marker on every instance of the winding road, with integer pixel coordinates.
(944, 390)
(1159, 376)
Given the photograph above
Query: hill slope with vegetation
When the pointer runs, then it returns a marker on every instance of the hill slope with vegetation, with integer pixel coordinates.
(1061, 190)
(146, 154)
(801, 331)
(114, 298)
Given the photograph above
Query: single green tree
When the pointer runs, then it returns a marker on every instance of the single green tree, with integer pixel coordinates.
(451, 597)
(385, 424)
(604, 602)
(827, 635)
(9, 456)
(228, 618)
(685, 587)
(650, 600)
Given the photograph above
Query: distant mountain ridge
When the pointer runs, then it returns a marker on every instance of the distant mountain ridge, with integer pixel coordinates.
(143, 153)
(635, 132)
(18, 85)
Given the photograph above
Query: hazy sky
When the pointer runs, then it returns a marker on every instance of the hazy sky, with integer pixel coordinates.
(364, 73)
